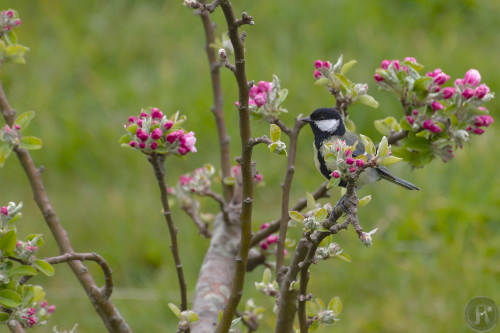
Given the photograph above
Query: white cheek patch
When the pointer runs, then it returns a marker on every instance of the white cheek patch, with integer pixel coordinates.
(328, 125)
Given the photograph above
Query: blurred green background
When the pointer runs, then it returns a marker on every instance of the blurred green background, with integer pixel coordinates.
(94, 63)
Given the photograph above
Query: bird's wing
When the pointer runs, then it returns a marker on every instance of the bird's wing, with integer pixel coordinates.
(351, 139)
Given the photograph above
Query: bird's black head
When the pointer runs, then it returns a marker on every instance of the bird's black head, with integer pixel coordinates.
(326, 122)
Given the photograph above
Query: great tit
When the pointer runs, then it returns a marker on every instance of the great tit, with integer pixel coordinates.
(328, 127)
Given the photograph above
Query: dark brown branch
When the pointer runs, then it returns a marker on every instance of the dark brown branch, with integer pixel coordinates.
(321, 192)
(302, 314)
(217, 109)
(245, 19)
(285, 199)
(110, 315)
(106, 269)
(246, 169)
(157, 162)
(282, 126)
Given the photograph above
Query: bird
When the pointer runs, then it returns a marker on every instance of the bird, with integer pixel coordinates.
(328, 126)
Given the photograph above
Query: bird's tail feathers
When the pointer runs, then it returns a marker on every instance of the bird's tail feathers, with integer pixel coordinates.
(385, 174)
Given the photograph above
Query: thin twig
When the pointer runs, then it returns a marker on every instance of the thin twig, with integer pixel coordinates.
(285, 199)
(110, 315)
(394, 138)
(246, 169)
(261, 139)
(157, 162)
(202, 226)
(106, 269)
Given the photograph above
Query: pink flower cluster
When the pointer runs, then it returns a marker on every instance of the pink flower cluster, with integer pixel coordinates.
(236, 172)
(8, 20)
(4, 211)
(439, 78)
(480, 121)
(322, 67)
(426, 123)
(429, 124)
(32, 316)
(396, 64)
(351, 162)
(470, 85)
(258, 94)
(154, 130)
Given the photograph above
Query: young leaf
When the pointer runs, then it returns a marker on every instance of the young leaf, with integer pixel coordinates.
(44, 267)
(23, 270)
(369, 146)
(4, 316)
(8, 242)
(311, 203)
(275, 132)
(24, 119)
(30, 143)
(368, 101)
(320, 215)
(5, 150)
(266, 276)
(322, 81)
(335, 305)
(388, 160)
(296, 216)
(9, 298)
(347, 66)
(365, 200)
(383, 148)
(191, 316)
(175, 310)
(344, 257)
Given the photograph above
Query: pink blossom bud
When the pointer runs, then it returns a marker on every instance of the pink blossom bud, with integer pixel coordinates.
(44, 304)
(143, 115)
(435, 129)
(156, 134)
(481, 91)
(182, 151)
(237, 103)
(478, 131)
(411, 59)
(327, 64)
(459, 82)
(318, 64)
(335, 174)
(317, 74)
(349, 160)
(487, 120)
(436, 89)
(18, 243)
(171, 137)
(154, 145)
(17, 22)
(472, 77)
(253, 91)
(236, 170)
(405, 68)
(395, 63)
(428, 123)
(17, 127)
(32, 321)
(434, 73)
(352, 169)
(415, 112)
(142, 135)
(264, 245)
(9, 13)
(441, 78)
(468, 93)
(260, 99)
(51, 309)
(251, 101)
(4, 211)
(258, 177)
(139, 122)
(378, 77)
(448, 92)
(265, 86)
(142, 145)
(132, 119)
(31, 311)
(437, 106)
(271, 239)
(8, 27)
(385, 64)
(185, 180)
(133, 144)
(410, 120)
(360, 163)
(347, 152)
(264, 226)
(156, 113)
(168, 125)
(188, 141)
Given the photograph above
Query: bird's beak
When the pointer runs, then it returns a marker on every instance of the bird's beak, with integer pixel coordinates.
(306, 120)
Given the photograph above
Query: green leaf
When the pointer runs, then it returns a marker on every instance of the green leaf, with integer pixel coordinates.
(38, 293)
(132, 128)
(4, 316)
(369, 146)
(387, 125)
(191, 316)
(275, 132)
(388, 160)
(266, 276)
(322, 81)
(30, 143)
(9, 298)
(349, 124)
(311, 202)
(344, 257)
(335, 305)
(296, 216)
(44, 267)
(11, 35)
(175, 310)
(8, 242)
(368, 101)
(272, 147)
(320, 215)
(365, 200)
(5, 150)
(25, 119)
(383, 147)
(125, 139)
(23, 270)
(347, 66)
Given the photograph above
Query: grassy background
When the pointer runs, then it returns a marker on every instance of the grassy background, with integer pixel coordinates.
(93, 63)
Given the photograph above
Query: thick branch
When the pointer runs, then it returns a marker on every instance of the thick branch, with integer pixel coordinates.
(106, 269)
(110, 315)
(285, 199)
(159, 169)
(217, 109)
(246, 170)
